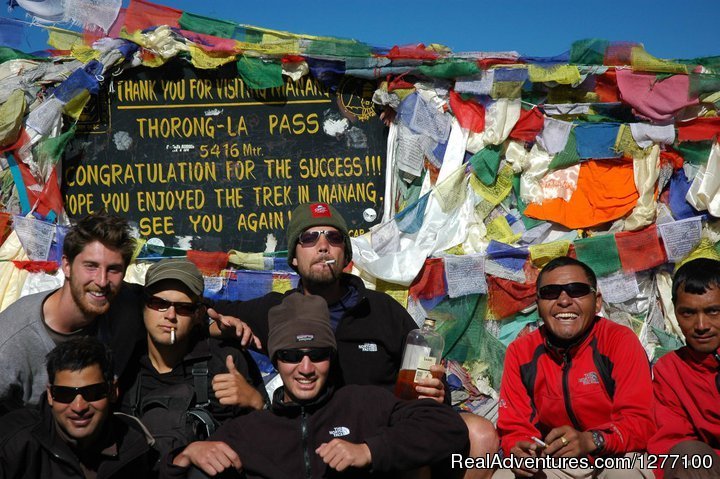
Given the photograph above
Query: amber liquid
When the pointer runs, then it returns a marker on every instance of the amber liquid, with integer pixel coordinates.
(405, 385)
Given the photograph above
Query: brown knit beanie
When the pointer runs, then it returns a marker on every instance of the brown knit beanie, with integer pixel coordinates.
(315, 214)
(300, 321)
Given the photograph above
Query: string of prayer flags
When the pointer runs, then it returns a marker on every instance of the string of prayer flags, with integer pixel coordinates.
(640, 250)
(600, 253)
(681, 237)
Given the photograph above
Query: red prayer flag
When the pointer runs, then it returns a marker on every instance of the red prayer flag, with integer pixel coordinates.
(640, 250)
(142, 14)
(209, 263)
(430, 283)
(411, 51)
(469, 114)
(528, 125)
(606, 87)
(699, 129)
(506, 297)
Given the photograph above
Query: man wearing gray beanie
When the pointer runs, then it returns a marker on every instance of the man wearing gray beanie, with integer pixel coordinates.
(313, 429)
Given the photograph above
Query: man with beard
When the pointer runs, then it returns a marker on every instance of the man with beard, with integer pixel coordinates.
(96, 252)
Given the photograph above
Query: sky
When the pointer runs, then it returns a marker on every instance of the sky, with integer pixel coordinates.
(667, 28)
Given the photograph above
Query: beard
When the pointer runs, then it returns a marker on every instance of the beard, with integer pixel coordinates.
(88, 306)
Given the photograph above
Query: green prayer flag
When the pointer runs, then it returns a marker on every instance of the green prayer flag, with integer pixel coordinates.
(695, 152)
(590, 51)
(600, 253)
(485, 164)
(338, 48)
(451, 69)
(207, 26)
(568, 157)
(258, 74)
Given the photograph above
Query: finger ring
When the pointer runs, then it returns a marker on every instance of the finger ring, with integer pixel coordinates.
(563, 440)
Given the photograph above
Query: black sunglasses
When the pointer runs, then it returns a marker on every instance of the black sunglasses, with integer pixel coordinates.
(294, 356)
(67, 394)
(162, 305)
(309, 238)
(574, 290)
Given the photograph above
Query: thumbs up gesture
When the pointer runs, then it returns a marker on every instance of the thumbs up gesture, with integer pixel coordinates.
(232, 389)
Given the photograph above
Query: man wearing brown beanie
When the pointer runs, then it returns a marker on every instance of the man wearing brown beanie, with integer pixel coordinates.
(313, 430)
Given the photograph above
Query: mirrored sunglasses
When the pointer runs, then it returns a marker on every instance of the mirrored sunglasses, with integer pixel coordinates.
(574, 290)
(294, 356)
(309, 238)
(67, 394)
(162, 305)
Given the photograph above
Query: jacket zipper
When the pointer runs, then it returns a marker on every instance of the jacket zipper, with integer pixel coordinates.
(567, 363)
(306, 453)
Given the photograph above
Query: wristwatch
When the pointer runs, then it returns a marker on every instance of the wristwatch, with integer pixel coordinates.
(599, 441)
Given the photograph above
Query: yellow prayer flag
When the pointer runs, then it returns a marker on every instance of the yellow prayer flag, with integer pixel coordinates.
(64, 39)
(281, 284)
(499, 230)
(498, 190)
(208, 60)
(644, 62)
(74, 107)
(561, 74)
(397, 292)
(541, 254)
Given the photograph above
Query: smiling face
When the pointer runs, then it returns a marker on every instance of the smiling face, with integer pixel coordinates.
(303, 381)
(80, 419)
(566, 317)
(699, 318)
(310, 259)
(94, 277)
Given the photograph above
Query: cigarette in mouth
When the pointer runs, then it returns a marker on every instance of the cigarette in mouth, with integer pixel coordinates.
(330, 261)
(172, 335)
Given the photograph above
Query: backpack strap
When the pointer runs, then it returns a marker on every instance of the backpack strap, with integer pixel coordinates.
(200, 381)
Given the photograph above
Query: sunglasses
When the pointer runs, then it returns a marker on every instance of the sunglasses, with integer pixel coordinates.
(294, 356)
(162, 305)
(67, 394)
(309, 238)
(574, 290)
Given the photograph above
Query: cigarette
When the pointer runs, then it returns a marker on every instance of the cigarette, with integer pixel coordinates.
(539, 442)
(172, 335)
(330, 261)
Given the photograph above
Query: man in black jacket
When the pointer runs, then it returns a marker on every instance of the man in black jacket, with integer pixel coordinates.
(73, 434)
(315, 431)
(184, 370)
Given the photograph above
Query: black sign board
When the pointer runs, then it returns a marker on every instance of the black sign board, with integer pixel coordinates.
(196, 159)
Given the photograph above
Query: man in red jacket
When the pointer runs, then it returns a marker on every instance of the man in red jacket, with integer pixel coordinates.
(687, 381)
(577, 392)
